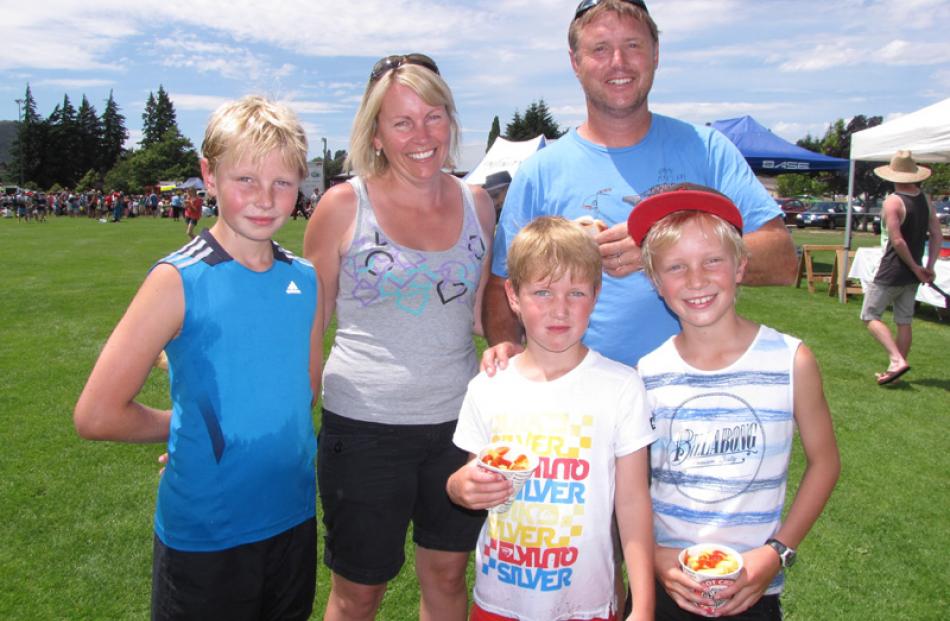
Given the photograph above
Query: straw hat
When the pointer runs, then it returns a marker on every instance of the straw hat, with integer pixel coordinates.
(902, 169)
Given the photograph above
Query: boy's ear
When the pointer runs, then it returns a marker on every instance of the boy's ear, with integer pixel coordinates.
(512, 297)
(208, 176)
(740, 270)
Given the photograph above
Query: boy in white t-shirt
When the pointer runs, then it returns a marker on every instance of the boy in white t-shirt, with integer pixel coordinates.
(726, 394)
(552, 555)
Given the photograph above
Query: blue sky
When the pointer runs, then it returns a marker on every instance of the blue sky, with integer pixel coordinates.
(796, 66)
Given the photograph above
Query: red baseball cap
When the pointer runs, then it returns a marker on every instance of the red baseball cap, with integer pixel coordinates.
(651, 210)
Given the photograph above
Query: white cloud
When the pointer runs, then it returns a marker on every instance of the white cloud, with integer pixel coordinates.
(73, 83)
(708, 111)
(794, 132)
(187, 101)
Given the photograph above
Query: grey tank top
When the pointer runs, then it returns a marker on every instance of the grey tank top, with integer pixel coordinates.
(403, 352)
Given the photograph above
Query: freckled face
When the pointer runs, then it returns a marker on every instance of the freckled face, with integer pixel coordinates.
(555, 313)
(254, 198)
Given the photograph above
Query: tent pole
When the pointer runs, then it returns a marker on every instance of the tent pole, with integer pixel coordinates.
(843, 273)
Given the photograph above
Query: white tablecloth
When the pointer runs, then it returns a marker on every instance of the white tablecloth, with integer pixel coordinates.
(865, 265)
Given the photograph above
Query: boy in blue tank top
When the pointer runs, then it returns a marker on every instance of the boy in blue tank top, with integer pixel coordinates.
(239, 319)
(726, 394)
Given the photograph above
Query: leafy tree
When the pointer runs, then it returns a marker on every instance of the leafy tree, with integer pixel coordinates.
(938, 184)
(334, 166)
(537, 119)
(173, 157)
(27, 150)
(837, 143)
(114, 135)
(796, 184)
(493, 133)
(122, 175)
(159, 117)
(89, 181)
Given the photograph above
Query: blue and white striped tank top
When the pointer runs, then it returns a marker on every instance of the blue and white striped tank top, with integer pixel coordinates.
(720, 465)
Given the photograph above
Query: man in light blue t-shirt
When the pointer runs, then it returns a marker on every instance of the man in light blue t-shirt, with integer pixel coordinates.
(604, 167)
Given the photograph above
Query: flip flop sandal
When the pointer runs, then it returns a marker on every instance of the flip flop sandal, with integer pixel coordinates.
(890, 376)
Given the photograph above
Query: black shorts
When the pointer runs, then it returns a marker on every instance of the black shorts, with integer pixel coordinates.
(768, 608)
(374, 479)
(275, 578)
(191, 220)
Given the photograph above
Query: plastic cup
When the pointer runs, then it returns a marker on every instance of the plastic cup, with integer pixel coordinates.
(517, 477)
(715, 579)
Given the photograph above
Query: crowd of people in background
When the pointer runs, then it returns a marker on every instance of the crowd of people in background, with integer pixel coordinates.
(111, 206)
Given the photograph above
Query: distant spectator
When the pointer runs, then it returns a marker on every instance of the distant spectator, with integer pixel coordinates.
(176, 206)
(192, 213)
(118, 206)
(301, 206)
(153, 203)
(907, 217)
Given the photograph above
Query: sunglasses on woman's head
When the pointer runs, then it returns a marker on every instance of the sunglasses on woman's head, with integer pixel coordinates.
(587, 5)
(394, 62)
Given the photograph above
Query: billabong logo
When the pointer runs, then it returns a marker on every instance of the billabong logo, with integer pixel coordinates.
(293, 289)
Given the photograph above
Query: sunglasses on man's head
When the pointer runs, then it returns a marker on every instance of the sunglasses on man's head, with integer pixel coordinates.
(587, 5)
(394, 62)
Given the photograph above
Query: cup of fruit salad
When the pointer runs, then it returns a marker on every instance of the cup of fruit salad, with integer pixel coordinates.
(511, 461)
(714, 566)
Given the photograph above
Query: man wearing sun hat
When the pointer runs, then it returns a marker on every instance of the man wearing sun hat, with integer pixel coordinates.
(908, 218)
(604, 167)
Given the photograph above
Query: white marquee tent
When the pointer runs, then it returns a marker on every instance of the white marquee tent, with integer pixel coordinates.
(925, 133)
(504, 155)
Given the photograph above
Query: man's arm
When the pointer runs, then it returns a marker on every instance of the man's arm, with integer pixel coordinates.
(892, 213)
(498, 320)
(772, 259)
(936, 242)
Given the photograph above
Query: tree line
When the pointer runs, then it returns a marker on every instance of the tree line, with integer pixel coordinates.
(81, 149)
(837, 143)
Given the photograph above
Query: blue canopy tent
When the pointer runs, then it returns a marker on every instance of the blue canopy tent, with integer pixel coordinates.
(767, 153)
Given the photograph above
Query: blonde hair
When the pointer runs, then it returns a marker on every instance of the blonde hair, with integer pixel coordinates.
(550, 247)
(255, 126)
(428, 85)
(619, 7)
(669, 230)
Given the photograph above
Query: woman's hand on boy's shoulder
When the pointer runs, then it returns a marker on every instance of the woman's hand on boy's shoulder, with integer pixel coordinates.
(759, 567)
(496, 357)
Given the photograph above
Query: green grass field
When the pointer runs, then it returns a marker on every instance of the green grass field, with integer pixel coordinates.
(76, 516)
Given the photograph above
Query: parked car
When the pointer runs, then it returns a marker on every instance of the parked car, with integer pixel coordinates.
(824, 214)
(943, 211)
(791, 207)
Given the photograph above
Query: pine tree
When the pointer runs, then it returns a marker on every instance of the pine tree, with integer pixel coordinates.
(27, 149)
(515, 129)
(90, 137)
(493, 133)
(114, 135)
(158, 118)
(537, 119)
(149, 135)
(61, 146)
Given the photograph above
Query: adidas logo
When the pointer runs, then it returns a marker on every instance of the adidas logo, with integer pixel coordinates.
(293, 289)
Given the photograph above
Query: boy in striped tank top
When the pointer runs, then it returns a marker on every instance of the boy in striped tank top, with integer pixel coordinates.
(726, 395)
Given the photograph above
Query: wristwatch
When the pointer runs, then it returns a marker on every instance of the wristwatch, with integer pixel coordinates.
(785, 554)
